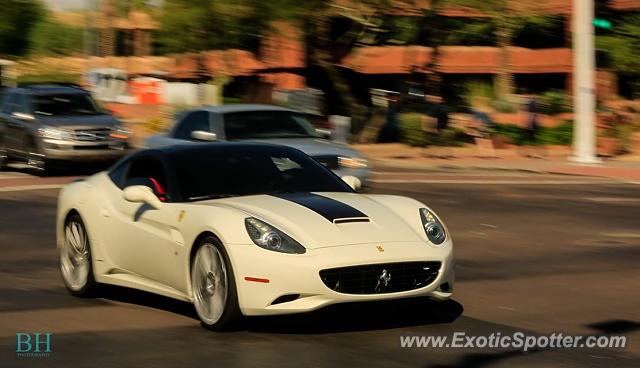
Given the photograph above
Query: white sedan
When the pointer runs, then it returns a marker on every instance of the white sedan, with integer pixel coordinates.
(246, 229)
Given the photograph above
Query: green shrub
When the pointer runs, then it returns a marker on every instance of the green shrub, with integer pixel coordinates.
(561, 135)
(411, 131)
(554, 102)
(477, 89)
(49, 78)
(504, 106)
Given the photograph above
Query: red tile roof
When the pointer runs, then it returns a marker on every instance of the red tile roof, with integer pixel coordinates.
(233, 62)
(387, 59)
(283, 48)
(625, 4)
(457, 59)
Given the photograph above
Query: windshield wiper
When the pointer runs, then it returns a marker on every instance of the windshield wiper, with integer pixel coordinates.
(211, 196)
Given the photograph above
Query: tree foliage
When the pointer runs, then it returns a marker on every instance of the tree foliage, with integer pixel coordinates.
(50, 37)
(622, 45)
(196, 25)
(17, 20)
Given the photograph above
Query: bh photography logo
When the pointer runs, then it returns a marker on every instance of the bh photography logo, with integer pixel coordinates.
(33, 345)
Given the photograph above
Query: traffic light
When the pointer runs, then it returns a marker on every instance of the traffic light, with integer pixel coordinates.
(602, 23)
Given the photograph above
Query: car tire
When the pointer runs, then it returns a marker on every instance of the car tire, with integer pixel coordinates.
(3, 156)
(213, 284)
(76, 265)
(36, 160)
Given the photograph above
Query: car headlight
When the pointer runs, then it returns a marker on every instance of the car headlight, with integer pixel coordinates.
(119, 132)
(432, 227)
(54, 133)
(352, 162)
(268, 237)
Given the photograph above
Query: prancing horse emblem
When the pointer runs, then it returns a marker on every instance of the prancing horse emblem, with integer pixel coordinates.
(383, 281)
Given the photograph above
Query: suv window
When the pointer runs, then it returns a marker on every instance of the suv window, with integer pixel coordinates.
(20, 104)
(148, 171)
(9, 103)
(65, 104)
(197, 120)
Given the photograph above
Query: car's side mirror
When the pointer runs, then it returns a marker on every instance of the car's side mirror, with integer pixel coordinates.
(323, 133)
(142, 194)
(23, 116)
(352, 181)
(201, 135)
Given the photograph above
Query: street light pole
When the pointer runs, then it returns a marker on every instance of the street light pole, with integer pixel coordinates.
(584, 137)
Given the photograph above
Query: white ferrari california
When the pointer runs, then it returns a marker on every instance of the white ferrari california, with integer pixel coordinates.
(246, 229)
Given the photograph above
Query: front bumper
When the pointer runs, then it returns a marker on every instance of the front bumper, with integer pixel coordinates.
(64, 150)
(300, 275)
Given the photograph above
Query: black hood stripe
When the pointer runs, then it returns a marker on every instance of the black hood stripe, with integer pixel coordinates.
(326, 207)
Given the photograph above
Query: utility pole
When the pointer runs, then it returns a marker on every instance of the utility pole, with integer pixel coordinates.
(584, 101)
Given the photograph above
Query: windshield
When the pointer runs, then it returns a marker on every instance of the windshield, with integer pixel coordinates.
(219, 172)
(67, 104)
(266, 124)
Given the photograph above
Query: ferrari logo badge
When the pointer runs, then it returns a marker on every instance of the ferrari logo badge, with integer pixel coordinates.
(181, 216)
(383, 281)
(380, 248)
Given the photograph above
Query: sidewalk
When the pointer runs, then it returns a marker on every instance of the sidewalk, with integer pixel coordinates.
(556, 161)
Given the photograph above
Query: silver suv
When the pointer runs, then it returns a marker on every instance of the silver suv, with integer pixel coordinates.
(43, 124)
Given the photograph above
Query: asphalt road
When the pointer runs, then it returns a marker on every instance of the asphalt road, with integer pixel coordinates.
(535, 253)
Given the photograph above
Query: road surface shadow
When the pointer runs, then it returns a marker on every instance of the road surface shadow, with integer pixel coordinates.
(143, 298)
(361, 316)
(344, 317)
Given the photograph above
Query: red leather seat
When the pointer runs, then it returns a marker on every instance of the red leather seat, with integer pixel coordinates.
(161, 193)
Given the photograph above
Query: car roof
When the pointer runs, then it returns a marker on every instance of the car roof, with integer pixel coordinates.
(49, 89)
(231, 108)
(216, 148)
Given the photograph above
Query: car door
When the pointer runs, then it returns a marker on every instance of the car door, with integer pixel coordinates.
(22, 124)
(4, 123)
(140, 239)
(12, 126)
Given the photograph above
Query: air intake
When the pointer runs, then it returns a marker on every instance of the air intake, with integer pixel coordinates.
(285, 298)
(350, 220)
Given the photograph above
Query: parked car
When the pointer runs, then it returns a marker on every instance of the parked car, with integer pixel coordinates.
(264, 123)
(47, 123)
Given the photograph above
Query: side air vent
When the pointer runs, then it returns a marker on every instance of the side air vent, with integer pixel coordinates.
(349, 220)
(285, 298)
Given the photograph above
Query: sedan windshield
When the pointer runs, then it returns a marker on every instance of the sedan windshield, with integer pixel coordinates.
(230, 171)
(266, 125)
(65, 104)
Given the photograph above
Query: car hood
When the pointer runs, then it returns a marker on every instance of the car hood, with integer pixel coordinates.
(313, 146)
(307, 218)
(78, 121)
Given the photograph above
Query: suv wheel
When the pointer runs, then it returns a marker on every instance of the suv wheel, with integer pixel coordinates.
(36, 160)
(3, 156)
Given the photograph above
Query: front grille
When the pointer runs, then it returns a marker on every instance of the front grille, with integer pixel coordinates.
(94, 147)
(91, 135)
(380, 278)
(330, 162)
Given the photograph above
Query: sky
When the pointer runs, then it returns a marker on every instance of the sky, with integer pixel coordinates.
(66, 4)
(77, 4)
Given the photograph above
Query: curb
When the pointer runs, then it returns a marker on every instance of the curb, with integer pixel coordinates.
(398, 164)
